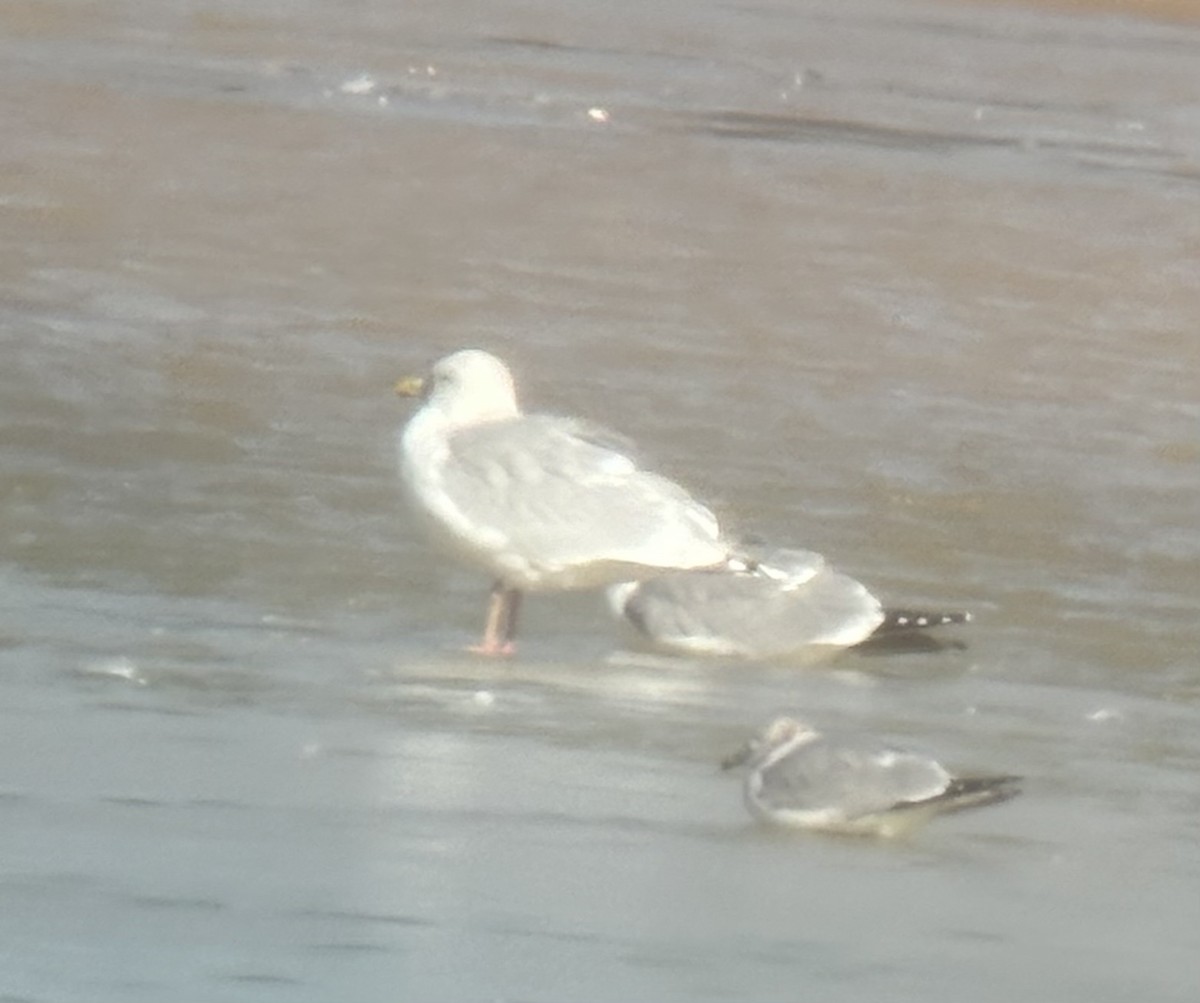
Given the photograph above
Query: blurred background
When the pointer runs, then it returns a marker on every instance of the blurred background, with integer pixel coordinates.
(914, 285)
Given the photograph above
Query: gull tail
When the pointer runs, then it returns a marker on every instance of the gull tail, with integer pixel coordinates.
(896, 621)
(975, 792)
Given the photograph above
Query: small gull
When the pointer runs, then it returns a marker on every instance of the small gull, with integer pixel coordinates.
(803, 779)
(539, 502)
(774, 604)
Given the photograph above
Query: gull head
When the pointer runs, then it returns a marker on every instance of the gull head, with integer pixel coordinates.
(775, 740)
(470, 387)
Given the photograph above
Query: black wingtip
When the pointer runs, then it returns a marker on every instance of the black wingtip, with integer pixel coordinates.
(896, 621)
(975, 792)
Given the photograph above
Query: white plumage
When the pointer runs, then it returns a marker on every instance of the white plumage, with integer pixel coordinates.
(538, 502)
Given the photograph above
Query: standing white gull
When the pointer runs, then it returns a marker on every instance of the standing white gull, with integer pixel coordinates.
(770, 604)
(539, 502)
(801, 778)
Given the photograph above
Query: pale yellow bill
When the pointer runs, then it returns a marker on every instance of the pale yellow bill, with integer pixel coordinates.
(409, 386)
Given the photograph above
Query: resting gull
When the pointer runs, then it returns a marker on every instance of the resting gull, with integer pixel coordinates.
(539, 502)
(801, 778)
(772, 604)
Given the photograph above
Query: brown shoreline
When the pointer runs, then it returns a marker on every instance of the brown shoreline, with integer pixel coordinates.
(1177, 11)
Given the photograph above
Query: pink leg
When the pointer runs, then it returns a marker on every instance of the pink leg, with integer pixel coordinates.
(512, 606)
(501, 625)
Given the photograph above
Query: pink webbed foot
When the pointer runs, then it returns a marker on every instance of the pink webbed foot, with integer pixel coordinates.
(493, 649)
